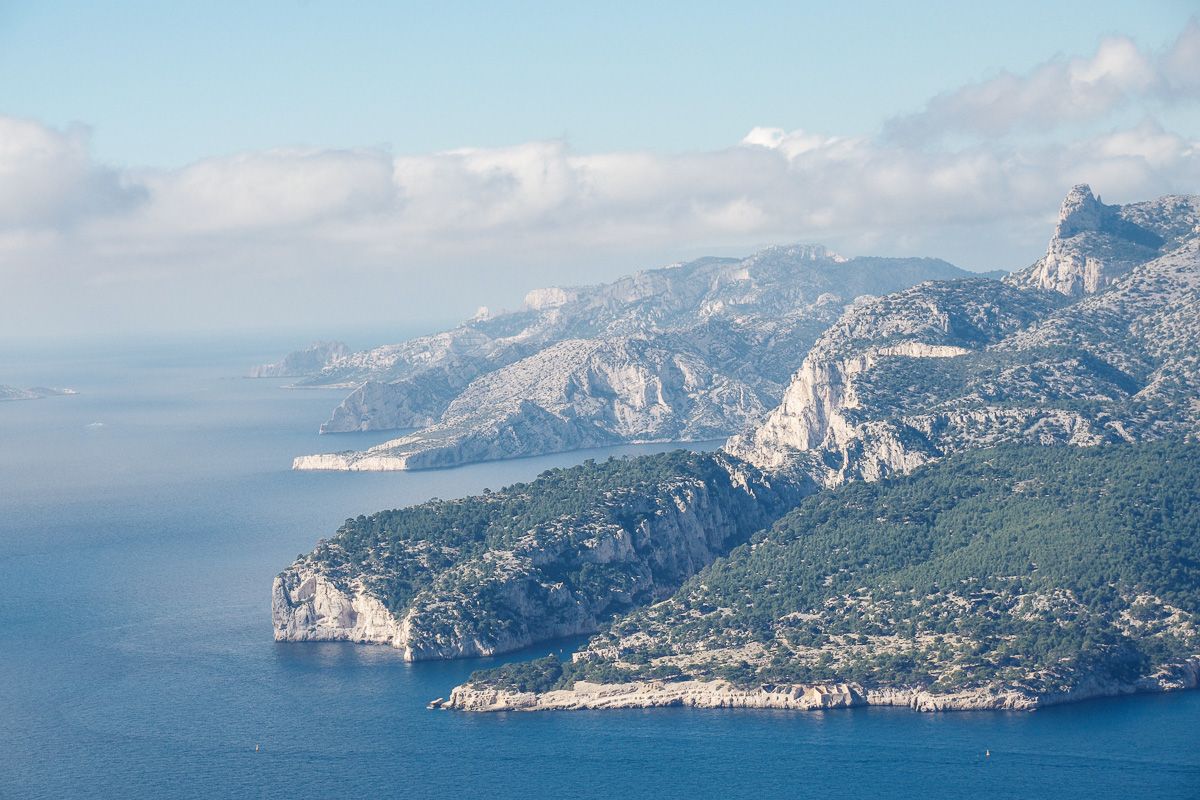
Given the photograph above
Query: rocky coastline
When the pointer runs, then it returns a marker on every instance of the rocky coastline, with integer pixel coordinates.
(806, 697)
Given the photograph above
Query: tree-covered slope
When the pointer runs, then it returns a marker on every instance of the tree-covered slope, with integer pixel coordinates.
(553, 557)
(1020, 569)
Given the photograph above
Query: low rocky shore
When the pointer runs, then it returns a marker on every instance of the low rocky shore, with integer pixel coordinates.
(802, 697)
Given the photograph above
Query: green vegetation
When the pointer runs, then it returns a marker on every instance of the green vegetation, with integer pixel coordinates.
(1015, 567)
(535, 539)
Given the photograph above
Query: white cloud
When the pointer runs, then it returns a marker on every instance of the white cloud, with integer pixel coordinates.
(295, 227)
(367, 204)
(47, 179)
(1062, 91)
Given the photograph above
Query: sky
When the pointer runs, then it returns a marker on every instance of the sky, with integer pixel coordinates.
(322, 167)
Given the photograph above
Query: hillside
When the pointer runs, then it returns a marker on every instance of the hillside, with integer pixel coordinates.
(1008, 577)
(302, 363)
(555, 557)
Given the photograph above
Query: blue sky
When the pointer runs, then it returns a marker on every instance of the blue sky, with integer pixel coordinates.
(166, 83)
(184, 166)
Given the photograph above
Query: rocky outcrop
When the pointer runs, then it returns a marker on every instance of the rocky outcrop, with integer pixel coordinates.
(905, 379)
(1094, 244)
(307, 606)
(803, 697)
(867, 400)
(34, 393)
(301, 363)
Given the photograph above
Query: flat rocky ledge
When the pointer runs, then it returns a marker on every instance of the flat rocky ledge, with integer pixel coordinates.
(801, 697)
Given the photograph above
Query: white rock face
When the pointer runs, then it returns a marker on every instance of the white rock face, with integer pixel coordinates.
(800, 697)
(306, 606)
(553, 297)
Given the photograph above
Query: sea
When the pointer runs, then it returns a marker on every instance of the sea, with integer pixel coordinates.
(143, 519)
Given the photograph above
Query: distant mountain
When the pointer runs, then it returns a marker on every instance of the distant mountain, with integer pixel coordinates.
(301, 363)
(695, 351)
(34, 393)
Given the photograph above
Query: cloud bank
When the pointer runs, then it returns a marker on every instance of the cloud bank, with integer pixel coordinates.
(434, 223)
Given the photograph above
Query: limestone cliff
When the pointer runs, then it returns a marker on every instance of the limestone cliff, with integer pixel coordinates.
(1094, 244)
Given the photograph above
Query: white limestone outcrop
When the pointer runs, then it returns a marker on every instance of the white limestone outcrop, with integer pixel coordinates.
(307, 606)
(803, 697)
(1094, 244)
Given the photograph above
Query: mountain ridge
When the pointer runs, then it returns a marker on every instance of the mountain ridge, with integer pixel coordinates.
(691, 352)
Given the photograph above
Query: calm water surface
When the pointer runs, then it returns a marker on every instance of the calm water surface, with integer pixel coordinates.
(141, 523)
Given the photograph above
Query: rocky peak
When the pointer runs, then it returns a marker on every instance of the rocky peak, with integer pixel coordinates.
(1080, 211)
(1093, 245)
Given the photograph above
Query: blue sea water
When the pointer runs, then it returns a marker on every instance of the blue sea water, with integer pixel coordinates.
(141, 523)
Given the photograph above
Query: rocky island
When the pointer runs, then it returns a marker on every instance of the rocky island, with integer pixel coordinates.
(34, 393)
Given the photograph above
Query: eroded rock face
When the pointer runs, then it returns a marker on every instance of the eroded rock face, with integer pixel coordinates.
(306, 606)
(843, 416)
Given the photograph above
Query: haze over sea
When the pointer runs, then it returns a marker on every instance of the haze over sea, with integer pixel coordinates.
(141, 523)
